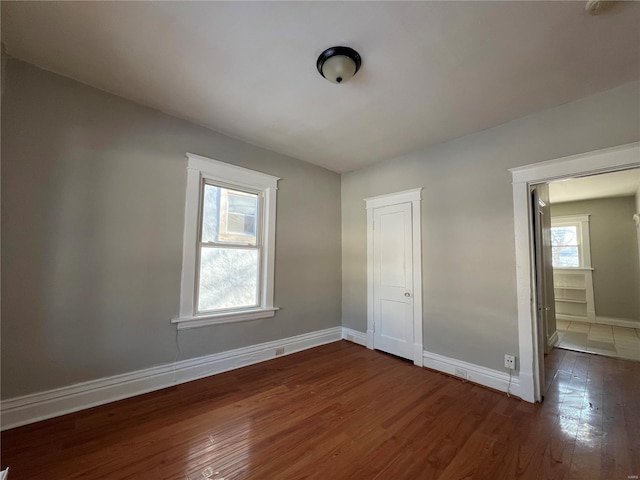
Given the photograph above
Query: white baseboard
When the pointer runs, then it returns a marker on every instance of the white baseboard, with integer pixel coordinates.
(572, 318)
(474, 373)
(40, 406)
(617, 322)
(553, 339)
(354, 336)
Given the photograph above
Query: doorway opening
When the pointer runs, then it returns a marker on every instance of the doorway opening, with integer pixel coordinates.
(596, 263)
(531, 303)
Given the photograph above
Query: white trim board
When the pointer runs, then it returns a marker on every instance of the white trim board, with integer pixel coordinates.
(60, 401)
(600, 161)
(354, 336)
(473, 373)
(553, 339)
(606, 160)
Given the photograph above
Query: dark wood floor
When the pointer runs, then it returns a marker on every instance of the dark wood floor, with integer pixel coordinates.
(343, 412)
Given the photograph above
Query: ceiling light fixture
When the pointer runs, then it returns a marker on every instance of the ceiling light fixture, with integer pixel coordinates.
(596, 7)
(339, 64)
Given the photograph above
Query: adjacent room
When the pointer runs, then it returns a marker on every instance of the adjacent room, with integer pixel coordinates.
(346, 240)
(596, 263)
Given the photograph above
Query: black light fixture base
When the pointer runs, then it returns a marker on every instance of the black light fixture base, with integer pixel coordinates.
(333, 51)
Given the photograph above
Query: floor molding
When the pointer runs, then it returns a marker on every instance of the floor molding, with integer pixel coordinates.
(354, 336)
(617, 322)
(52, 403)
(553, 339)
(473, 373)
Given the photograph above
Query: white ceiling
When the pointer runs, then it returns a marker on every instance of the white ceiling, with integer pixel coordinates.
(616, 184)
(432, 71)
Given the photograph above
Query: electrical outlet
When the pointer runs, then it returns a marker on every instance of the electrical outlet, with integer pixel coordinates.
(460, 373)
(510, 362)
(279, 351)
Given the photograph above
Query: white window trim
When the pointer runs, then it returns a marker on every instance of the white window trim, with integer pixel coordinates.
(199, 168)
(584, 245)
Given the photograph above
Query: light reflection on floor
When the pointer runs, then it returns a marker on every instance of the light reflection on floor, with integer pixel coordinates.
(229, 448)
(576, 393)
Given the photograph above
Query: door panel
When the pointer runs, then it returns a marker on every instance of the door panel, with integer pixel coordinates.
(545, 301)
(392, 249)
(393, 280)
(392, 320)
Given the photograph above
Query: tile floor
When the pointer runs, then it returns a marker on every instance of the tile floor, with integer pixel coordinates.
(619, 342)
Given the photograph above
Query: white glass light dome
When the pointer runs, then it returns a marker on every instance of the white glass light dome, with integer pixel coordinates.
(338, 64)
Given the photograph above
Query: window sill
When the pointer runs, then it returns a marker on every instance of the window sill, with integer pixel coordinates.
(184, 323)
(575, 268)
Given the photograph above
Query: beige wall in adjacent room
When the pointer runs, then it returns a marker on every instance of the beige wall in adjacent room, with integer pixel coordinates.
(93, 198)
(614, 253)
(468, 267)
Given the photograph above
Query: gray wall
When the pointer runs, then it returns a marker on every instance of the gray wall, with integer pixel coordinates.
(614, 253)
(469, 284)
(93, 192)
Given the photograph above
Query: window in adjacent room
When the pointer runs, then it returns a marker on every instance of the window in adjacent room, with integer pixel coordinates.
(570, 242)
(229, 244)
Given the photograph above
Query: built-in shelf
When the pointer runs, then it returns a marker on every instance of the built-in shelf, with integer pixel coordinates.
(574, 294)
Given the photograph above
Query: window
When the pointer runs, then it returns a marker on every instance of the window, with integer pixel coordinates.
(229, 244)
(565, 246)
(229, 249)
(570, 242)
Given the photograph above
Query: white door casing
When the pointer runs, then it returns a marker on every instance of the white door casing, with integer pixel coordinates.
(394, 274)
(599, 161)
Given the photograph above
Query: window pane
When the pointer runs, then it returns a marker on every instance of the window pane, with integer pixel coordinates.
(241, 218)
(245, 204)
(229, 216)
(566, 235)
(228, 278)
(210, 216)
(241, 224)
(567, 257)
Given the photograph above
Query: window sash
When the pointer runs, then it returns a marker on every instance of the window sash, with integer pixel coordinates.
(560, 248)
(258, 246)
(577, 238)
(233, 188)
(578, 245)
(259, 286)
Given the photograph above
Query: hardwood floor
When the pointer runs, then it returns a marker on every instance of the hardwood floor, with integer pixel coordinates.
(341, 411)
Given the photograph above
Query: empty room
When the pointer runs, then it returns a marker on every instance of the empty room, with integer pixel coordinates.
(287, 240)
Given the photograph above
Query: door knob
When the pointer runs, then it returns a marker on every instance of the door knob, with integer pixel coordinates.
(407, 294)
